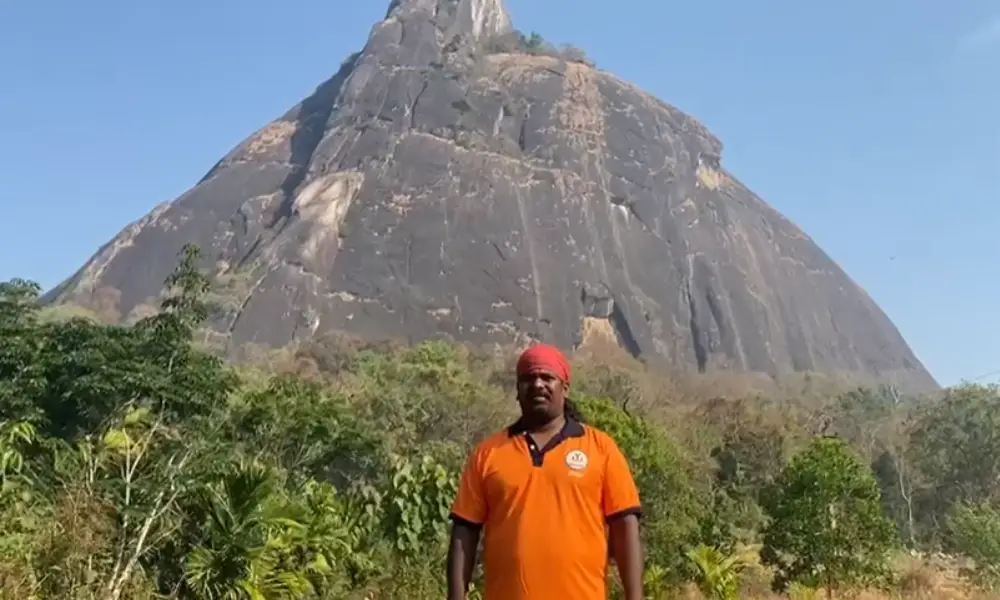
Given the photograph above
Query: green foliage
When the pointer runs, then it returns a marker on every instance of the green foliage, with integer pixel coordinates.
(535, 41)
(535, 44)
(185, 306)
(66, 378)
(20, 369)
(134, 465)
(18, 301)
(827, 525)
(241, 523)
(306, 430)
(747, 458)
(421, 393)
(419, 499)
(14, 437)
(718, 573)
(17, 500)
(974, 531)
(798, 591)
(956, 448)
(257, 540)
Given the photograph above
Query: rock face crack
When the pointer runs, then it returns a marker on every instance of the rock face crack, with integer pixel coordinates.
(243, 305)
(498, 197)
(416, 101)
(697, 338)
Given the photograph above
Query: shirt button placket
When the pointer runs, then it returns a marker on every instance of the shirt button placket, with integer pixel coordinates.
(533, 449)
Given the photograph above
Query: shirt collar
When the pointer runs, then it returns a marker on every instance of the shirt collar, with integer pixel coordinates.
(571, 429)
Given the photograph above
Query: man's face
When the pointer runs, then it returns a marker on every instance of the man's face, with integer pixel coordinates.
(541, 394)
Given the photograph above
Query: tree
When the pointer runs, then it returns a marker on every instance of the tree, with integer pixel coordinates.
(748, 457)
(827, 526)
(956, 449)
(140, 465)
(974, 532)
(67, 378)
(535, 41)
(241, 519)
(20, 370)
(876, 421)
(298, 425)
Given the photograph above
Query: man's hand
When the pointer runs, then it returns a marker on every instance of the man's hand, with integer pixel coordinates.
(461, 558)
(627, 552)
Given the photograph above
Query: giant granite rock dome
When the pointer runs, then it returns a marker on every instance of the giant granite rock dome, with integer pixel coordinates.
(452, 179)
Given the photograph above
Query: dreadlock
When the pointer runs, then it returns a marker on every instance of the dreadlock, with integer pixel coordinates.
(571, 411)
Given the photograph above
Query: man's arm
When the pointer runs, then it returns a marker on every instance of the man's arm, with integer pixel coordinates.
(461, 558)
(468, 513)
(622, 510)
(627, 552)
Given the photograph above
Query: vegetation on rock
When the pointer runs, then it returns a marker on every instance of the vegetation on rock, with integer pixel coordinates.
(535, 44)
(135, 464)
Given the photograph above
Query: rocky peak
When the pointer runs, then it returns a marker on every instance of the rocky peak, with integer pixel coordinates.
(445, 184)
(473, 20)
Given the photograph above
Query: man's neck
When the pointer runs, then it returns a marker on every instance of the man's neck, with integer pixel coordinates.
(550, 427)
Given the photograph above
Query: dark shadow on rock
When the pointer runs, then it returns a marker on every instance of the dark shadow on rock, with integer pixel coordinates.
(310, 126)
(625, 335)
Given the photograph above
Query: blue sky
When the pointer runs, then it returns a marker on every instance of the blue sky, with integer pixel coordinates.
(873, 125)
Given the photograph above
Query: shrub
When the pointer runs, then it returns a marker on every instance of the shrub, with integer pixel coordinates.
(975, 532)
(535, 44)
(827, 526)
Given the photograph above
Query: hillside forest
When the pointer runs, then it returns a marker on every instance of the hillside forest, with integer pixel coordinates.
(135, 463)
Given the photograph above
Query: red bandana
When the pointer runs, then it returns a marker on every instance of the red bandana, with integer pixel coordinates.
(543, 357)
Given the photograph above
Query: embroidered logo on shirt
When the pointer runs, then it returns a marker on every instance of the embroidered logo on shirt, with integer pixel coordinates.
(576, 460)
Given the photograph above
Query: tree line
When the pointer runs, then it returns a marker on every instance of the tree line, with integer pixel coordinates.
(137, 464)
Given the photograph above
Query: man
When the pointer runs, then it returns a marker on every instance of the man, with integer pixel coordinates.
(546, 493)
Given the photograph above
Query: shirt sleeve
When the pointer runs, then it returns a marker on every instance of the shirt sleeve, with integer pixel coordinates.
(620, 496)
(470, 501)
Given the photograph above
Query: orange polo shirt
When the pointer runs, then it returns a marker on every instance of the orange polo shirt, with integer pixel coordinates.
(544, 511)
